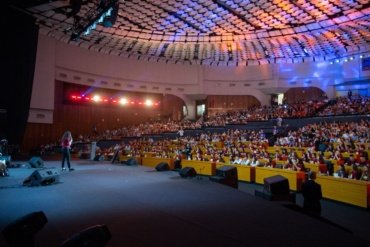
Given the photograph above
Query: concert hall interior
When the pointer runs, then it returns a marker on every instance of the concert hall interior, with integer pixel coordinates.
(185, 123)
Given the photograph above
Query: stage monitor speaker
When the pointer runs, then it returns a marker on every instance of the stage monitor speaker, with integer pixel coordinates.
(227, 175)
(36, 162)
(43, 176)
(187, 172)
(163, 166)
(94, 236)
(276, 185)
(131, 162)
(22, 231)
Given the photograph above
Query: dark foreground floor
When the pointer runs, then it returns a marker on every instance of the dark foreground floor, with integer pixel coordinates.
(143, 207)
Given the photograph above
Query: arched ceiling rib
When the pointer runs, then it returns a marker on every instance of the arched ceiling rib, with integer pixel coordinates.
(220, 32)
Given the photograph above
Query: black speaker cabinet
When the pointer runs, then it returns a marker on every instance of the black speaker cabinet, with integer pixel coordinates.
(187, 172)
(22, 231)
(131, 162)
(163, 166)
(98, 235)
(227, 175)
(276, 185)
(36, 162)
(43, 176)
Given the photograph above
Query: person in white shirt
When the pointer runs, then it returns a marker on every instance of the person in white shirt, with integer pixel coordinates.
(181, 132)
(244, 161)
(255, 162)
(237, 160)
(279, 121)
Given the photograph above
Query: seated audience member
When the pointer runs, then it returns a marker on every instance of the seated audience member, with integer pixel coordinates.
(237, 160)
(248, 160)
(244, 160)
(355, 173)
(350, 161)
(329, 168)
(365, 174)
(306, 158)
(271, 163)
(284, 155)
(221, 159)
(188, 151)
(254, 162)
(199, 157)
(323, 169)
(341, 160)
(342, 172)
(299, 166)
(177, 159)
(289, 165)
(215, 158)
(363, 161)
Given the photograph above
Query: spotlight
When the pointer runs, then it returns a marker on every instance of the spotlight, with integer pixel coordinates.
(22, 231)
(96, 98)
(148, 102)
(93, 236)
(123, 101)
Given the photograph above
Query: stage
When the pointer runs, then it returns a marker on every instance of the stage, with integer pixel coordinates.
(144, 207)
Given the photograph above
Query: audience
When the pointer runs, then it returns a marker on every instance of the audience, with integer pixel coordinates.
(344, 143)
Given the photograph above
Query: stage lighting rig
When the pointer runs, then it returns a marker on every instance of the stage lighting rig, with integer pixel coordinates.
(94, 16)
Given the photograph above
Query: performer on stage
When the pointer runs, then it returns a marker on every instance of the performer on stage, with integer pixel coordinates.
(66, 143)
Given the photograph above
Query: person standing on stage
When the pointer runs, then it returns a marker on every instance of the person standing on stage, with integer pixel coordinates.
(312, 195)
(66, 143)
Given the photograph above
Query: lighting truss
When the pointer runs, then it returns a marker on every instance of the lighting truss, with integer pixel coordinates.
(83, 25)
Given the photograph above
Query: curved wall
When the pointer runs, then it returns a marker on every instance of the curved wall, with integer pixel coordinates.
(60, 61)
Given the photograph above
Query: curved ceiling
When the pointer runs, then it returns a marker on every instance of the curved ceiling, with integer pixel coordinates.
(217, 32)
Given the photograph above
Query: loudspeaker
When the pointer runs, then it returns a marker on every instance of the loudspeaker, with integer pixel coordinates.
(187, 172)
(94, 236)
(44, 176)
(36, 162)
(131, 162)
(227, 175)
(22, 231)
(163, 166)
(276, 185)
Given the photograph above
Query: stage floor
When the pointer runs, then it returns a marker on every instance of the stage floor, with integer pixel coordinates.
(143, 207)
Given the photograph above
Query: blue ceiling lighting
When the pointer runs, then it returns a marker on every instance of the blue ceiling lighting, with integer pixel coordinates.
(258, 32)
